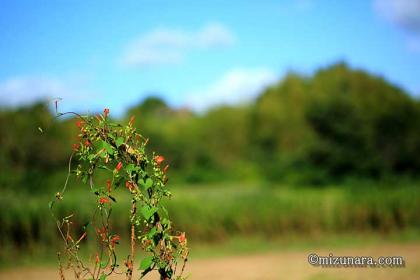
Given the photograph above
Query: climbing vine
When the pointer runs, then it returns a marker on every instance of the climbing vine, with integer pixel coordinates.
(120, 151)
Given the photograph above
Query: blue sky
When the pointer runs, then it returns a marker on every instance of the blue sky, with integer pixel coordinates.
(97, 54)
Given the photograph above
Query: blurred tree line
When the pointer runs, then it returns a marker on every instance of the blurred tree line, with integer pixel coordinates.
(338, 124)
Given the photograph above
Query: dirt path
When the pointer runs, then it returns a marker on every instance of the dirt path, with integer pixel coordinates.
(281, 265)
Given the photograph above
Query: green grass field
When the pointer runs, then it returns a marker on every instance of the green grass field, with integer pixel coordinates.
(228, 219)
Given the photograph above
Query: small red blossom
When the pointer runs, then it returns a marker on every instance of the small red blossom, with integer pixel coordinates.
(129, 185)
(82, 237)
(108, 185)
(79, 124)
(131, 122)
(114, 240)
(159, 159)
(97, 258)
(119, 165)
(102, 233)
(182, 238)
(106, 112)
(165, 169)
(104, 200)
(129, 265)
(87, 142)
(70, 238)
(75, 147)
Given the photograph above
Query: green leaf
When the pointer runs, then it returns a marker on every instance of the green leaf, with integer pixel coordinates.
(119, 141)
(164, 210)
(50, 204)
(147, 211)
(107, 147)
(103, 264)
(166, 224)
(152, 232)
(103, 276)
(130, 168)
(149, 183)
(146, 263)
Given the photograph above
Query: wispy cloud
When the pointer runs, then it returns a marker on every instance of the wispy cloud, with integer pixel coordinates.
(236, 86)
(24, 90)
(406, 15)
(169, 45)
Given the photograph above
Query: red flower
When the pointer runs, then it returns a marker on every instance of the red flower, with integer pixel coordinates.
(97, 258)
(103, 200)
(75, 147)
(87, 142)
(165, 169)
(102, 233)
(108, 185)
(70, 238)
(114, 240)
(129, 264)
(182, 238)
(119, 165)
(82, 237)
(131, 122)
(129, 185)
(106, 112)
(79, 124)
(159, 159)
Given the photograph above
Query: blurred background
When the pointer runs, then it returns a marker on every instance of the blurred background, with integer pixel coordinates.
(290, 127)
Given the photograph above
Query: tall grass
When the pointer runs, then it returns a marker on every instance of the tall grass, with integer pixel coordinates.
(210, 213)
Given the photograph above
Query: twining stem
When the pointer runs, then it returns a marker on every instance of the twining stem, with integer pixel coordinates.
(130, 261)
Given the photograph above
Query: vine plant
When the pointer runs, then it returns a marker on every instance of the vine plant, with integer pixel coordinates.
(121, 151)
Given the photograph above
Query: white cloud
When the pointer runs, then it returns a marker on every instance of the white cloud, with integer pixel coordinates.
(213, 35)
(404, 13)
(25, 90)
(169, 46)
(236, 86)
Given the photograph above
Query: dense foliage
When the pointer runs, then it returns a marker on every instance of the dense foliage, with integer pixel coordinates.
(338, 123)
